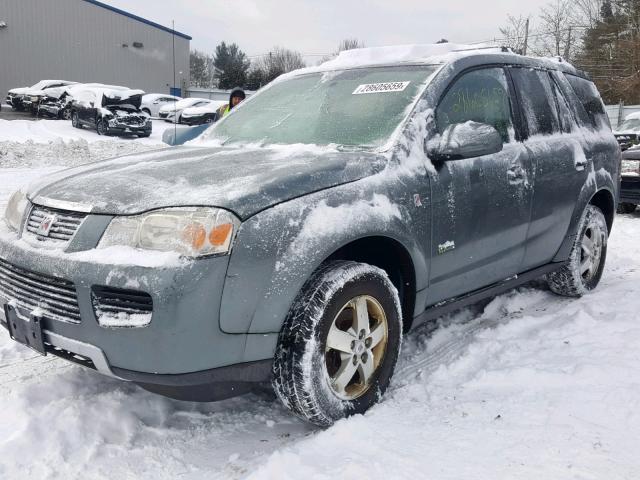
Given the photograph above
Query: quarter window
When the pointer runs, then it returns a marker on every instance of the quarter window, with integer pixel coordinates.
(590, 99)
(479, 96)
(537, 101)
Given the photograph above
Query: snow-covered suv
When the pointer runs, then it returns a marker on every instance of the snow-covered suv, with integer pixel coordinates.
(300, 236)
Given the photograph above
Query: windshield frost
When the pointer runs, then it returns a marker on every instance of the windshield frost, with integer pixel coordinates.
(360, 107)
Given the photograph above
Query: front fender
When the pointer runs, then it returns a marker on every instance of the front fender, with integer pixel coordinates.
(277, 250)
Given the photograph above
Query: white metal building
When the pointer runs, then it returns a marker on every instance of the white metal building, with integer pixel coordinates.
(88, 41)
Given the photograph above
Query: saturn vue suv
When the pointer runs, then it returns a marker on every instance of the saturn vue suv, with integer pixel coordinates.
(295, 241)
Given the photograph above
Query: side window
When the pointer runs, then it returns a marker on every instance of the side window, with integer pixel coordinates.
(590, 99)
(567, 122)
(479, 96)
(537, 102)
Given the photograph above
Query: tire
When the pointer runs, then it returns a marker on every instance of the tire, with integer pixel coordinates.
(144, 135)
(321, 359)
(589, 252)
(101, 127)
(65, 114)
(626, 208)
(75, 121)
(146, 111)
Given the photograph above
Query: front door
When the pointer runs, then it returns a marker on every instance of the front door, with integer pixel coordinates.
(480, 206)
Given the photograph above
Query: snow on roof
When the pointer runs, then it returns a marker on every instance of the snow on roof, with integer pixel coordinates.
(632, 116)
(427, 54)
(430, 53)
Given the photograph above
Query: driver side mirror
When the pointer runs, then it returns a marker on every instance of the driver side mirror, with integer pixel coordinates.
(464, 140)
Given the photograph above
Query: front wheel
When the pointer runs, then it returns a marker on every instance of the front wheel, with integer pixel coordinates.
(339, 344)
(583, 271)
(101, 127)
(75, 121)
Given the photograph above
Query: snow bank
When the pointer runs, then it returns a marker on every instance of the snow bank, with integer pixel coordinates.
(45, 131)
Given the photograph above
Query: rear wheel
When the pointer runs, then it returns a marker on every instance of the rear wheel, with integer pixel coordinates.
(583, 271)
(340, 342)
(626, 208)
(65, 114)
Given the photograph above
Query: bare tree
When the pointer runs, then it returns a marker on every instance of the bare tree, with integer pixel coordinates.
(278, 61)
(346, 44)
(350, 44)
(587, 12)
(515, 33)
(555, 33)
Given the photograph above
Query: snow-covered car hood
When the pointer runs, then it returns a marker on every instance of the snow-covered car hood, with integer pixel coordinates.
(626, 132)
(195, 111)
(243, 180)
(20, 91)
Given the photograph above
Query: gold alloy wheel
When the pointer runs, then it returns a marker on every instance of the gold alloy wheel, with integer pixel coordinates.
(591, 250)
(356, 344)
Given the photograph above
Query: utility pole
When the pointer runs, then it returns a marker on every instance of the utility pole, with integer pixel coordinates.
(567, 47)
(526, 37)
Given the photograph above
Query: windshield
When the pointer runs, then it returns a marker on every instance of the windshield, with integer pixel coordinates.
(631, 124)
(40, 85)
(360, 107)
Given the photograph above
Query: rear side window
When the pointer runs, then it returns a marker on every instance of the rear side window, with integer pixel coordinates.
(567, 122)
(590, 99)
(537, 101)
(479, 96)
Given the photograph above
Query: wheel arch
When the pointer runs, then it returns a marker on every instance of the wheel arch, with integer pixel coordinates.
(391, 256)
(602, 198)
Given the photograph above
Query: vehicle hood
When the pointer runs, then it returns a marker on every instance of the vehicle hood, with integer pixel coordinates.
(118, 99)
(242, 180)
(195, 111)
(20, 91)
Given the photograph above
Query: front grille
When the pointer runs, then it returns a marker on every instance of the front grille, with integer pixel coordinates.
(54, 296)
(117, 307)
(64, 223)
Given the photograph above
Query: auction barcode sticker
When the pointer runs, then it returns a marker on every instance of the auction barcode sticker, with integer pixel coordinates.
(380, 87)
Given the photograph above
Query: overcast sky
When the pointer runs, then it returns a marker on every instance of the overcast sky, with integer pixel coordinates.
(316, 26)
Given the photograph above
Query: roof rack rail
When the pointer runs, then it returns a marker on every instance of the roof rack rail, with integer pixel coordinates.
(489, 47)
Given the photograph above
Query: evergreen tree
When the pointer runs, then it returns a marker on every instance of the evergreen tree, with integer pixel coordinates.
(232, 64)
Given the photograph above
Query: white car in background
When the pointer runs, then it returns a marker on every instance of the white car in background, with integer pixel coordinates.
(153, 102)
(19, 98)
(202, 114)
(628, 132)
(173, 111)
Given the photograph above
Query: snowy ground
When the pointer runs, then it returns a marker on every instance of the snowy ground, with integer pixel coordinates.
(529, 385)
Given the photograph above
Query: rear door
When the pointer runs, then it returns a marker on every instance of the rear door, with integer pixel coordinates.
(480, 206)
(556, 148)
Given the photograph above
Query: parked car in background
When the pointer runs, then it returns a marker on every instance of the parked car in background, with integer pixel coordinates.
(16, 97)
(172, 112)
(57, 102)
(630, 180)
(201, 114)
(153, 102)
(628, 132)
(303, 234)
(110, 112)
(33, 98)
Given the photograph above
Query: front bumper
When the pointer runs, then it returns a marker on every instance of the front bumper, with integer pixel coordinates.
(121, 129)
(176, 353)
(630, 189)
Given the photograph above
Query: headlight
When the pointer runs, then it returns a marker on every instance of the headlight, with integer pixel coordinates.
(631, 166)
(16, 207)
(192, 232)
